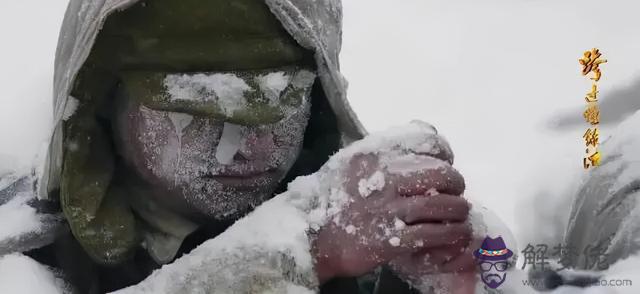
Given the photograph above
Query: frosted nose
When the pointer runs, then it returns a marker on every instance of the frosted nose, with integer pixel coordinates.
(256, 145)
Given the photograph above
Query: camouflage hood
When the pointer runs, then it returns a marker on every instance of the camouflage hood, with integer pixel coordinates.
(80, 167)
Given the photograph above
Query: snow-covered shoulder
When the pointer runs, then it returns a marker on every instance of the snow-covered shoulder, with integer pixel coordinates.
(265, 252)
(25, 224)
(22, 275)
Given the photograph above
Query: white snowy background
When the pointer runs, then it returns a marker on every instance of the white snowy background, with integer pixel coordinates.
(491, 75)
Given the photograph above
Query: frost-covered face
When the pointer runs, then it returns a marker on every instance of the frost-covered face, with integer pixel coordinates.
(213, 145)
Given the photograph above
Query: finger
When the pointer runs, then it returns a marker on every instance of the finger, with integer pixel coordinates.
(440, 256)
(440, 150)
(437, 208)
(443, 179)
(422, 236)
(430, 260)
(466, 262)
(458, 283)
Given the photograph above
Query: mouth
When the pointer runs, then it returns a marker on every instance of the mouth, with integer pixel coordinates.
(243, 178)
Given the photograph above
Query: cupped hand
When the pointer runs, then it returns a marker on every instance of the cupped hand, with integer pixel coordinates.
(400, 205)
(452, 267)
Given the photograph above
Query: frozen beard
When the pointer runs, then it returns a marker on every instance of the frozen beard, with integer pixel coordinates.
(213, 145)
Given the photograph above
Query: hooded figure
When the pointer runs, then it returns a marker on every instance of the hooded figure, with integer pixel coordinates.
(175, 119)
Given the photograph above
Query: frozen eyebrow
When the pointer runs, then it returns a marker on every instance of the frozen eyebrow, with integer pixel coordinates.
(272, 84)
(226, 89)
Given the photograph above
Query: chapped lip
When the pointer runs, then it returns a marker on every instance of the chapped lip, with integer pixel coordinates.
(245, 170)
(241, 174)
(248, 177)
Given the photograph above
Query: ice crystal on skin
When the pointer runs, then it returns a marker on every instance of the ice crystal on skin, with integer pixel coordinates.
(229, 143)
(350, 229)
(411, 163)
(432, 192)
(302, 79)
(180, 122)
(399, 224)
(395, 241)
(164, 141)
(272, 85)
(373, 183)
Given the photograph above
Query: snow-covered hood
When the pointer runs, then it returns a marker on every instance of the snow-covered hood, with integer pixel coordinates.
(315, 25)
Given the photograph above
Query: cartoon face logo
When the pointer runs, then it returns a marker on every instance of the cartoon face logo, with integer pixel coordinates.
(493, 260)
